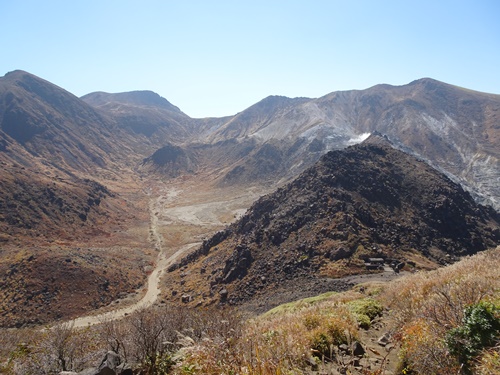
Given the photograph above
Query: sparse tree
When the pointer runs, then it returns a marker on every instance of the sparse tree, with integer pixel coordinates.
(154, 332)
(116, 334)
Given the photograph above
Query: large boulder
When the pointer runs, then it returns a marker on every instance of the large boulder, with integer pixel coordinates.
(111, 364)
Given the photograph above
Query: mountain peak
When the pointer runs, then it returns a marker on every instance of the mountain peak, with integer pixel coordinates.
(426, 81)
(274, 101)
(16, 74)
(31, 83)
(141, 98)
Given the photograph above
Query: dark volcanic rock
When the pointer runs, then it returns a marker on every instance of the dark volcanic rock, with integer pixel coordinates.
(368, 201)
(237, 265)
(172, 160)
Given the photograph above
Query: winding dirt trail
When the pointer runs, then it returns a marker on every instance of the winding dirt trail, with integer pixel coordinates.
(153, 283)
(180, 217)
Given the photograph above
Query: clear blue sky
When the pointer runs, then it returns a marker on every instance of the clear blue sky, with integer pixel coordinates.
(215, 58)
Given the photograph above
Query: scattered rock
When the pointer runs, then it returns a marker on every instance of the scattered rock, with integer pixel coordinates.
(109, 364)
(344, 348)
(389, 347)
(385, 339)
(223, 294)
(357, 349)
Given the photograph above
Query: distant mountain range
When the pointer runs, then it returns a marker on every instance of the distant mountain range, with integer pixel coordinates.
(69, 169)
(454, 129)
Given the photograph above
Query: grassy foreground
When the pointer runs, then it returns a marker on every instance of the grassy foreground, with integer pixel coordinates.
(445, 321)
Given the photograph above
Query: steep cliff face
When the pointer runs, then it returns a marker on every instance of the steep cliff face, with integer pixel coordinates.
(369, 200)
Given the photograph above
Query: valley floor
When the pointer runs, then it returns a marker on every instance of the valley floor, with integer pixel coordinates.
(182, 214)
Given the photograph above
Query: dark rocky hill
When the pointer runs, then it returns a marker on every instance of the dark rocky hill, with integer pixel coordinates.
(171, 161)
(367, 201)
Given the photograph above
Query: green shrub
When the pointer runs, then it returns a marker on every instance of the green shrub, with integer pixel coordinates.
(322, 345)
(365, 310)
(480, 329)
(363, 320)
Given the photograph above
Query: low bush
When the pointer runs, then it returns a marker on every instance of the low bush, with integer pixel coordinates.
(365, 310)
(480, 329)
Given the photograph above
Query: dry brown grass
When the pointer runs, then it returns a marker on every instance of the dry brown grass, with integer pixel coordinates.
(290, 339)
(441, 295)
(428, 304)
(286, 341)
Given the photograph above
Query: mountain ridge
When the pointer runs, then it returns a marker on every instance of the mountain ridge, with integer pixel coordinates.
(82, 179)
(456, 130)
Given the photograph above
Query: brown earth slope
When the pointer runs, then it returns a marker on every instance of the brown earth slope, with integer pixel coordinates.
(69, 205)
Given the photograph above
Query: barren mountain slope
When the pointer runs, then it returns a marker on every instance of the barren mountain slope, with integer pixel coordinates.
(144, 113)
(69, 204)
(57, 155)
(50, 123)
(369, 200)
(454, 129)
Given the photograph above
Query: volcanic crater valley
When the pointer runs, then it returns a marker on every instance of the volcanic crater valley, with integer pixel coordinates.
(114, 202)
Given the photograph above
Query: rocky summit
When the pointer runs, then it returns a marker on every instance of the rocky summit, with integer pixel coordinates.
(369, 202)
